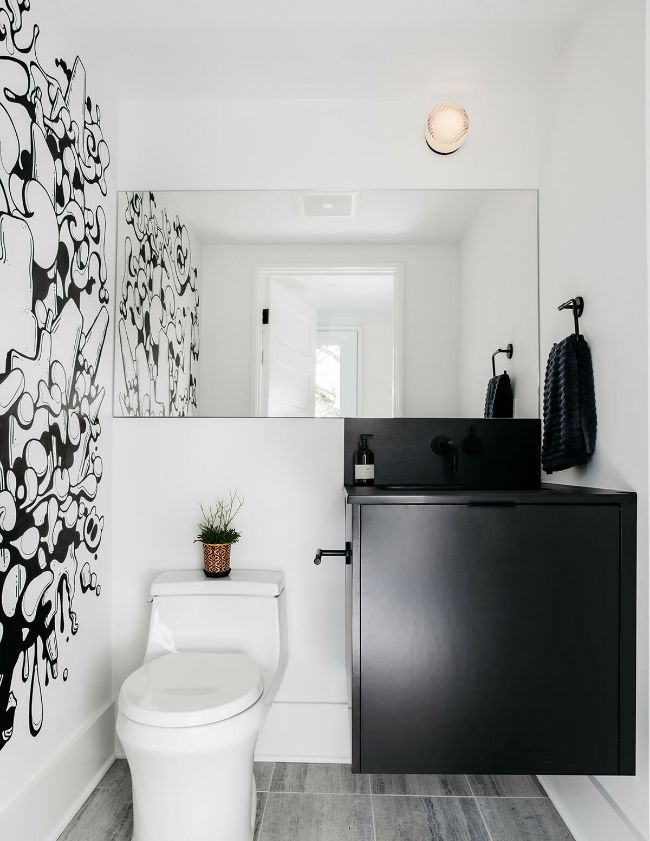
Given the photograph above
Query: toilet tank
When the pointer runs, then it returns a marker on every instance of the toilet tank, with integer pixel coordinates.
(244, 612)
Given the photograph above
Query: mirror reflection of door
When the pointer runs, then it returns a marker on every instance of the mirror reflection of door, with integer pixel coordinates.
(311, 360)
(289, 373)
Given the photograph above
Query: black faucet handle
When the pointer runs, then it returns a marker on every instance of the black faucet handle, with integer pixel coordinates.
(472, 444)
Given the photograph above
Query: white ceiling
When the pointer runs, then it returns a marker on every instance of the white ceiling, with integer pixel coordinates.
(257, 49)
(381, 216)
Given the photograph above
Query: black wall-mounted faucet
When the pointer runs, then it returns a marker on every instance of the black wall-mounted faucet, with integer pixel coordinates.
(445, 447)
(328, 553)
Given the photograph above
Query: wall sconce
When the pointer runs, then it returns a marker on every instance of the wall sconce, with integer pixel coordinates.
(447, 127)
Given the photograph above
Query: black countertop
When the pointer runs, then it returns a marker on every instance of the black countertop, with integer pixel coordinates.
(547, 494)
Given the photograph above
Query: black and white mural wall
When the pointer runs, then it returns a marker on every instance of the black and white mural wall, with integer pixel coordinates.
(157, 339)
(54, 323)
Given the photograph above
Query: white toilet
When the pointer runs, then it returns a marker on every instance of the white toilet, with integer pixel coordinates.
(188, 719)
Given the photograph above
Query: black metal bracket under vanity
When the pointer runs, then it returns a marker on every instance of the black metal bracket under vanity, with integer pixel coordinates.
(493, 631)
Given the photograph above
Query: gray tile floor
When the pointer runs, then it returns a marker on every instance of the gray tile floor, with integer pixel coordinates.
(319, 802)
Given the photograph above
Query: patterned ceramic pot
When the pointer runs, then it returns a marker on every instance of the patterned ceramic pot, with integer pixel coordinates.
(216, 559)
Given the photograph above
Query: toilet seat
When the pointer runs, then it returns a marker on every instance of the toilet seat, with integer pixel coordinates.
(188, 690)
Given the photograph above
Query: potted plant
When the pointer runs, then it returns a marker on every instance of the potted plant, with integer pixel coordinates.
(217, 535)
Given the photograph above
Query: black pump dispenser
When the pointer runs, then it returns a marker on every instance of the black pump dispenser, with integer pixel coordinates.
(364, 462)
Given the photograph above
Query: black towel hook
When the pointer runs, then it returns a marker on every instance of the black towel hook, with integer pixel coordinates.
(576, 304)
(508, 352)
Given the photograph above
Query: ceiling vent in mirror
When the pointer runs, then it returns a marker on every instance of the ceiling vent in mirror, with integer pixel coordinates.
(447, 127)
(328, 204)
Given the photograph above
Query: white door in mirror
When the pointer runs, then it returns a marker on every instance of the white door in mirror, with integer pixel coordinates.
(291, 361)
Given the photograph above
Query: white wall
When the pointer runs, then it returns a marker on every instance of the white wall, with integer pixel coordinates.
(431, 326)
(592, 218)
(290, 473)
(43, 779)
(430, 320)
(499, 302)
(324, 144)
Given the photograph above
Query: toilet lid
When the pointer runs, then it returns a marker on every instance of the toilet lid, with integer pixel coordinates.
(187, 690)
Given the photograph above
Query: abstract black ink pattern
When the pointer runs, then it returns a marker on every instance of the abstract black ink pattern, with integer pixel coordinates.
(158, 328)
(53, 324)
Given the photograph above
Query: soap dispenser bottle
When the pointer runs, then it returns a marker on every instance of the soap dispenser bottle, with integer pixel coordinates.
(364, 462)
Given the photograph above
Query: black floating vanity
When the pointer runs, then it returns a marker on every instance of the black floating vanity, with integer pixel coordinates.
(493, 629)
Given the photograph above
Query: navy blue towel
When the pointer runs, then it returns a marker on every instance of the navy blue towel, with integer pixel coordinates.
(569, 406)
(499, 401)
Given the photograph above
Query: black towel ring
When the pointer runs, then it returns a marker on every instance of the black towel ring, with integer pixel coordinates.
(508, 352)
(576, 304)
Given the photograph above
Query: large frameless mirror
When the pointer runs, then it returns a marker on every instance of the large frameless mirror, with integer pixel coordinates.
(381, 303)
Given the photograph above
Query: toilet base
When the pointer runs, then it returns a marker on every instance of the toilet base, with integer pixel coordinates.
(253, 812)
(193, 783)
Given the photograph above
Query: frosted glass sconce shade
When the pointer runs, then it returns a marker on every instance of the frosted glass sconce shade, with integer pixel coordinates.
(447, 127)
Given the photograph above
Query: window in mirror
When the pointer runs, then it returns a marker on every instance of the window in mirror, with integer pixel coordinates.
(337, 373)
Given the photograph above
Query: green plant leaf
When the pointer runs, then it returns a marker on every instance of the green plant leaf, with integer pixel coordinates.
(216, 525)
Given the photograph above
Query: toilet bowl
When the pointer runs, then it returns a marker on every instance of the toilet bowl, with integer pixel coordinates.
(189, 717)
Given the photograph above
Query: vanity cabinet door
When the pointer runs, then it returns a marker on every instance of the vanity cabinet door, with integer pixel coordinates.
(488, 640)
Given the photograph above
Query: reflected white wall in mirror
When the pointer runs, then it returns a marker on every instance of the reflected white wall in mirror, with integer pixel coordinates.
(367, 304)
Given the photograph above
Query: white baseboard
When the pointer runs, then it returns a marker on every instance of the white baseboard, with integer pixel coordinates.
(299, 732)
(588, 811)
(47, 804)
(295, 732)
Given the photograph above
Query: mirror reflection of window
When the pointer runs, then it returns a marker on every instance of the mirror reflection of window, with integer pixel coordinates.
(337, 373)
(328, 381)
